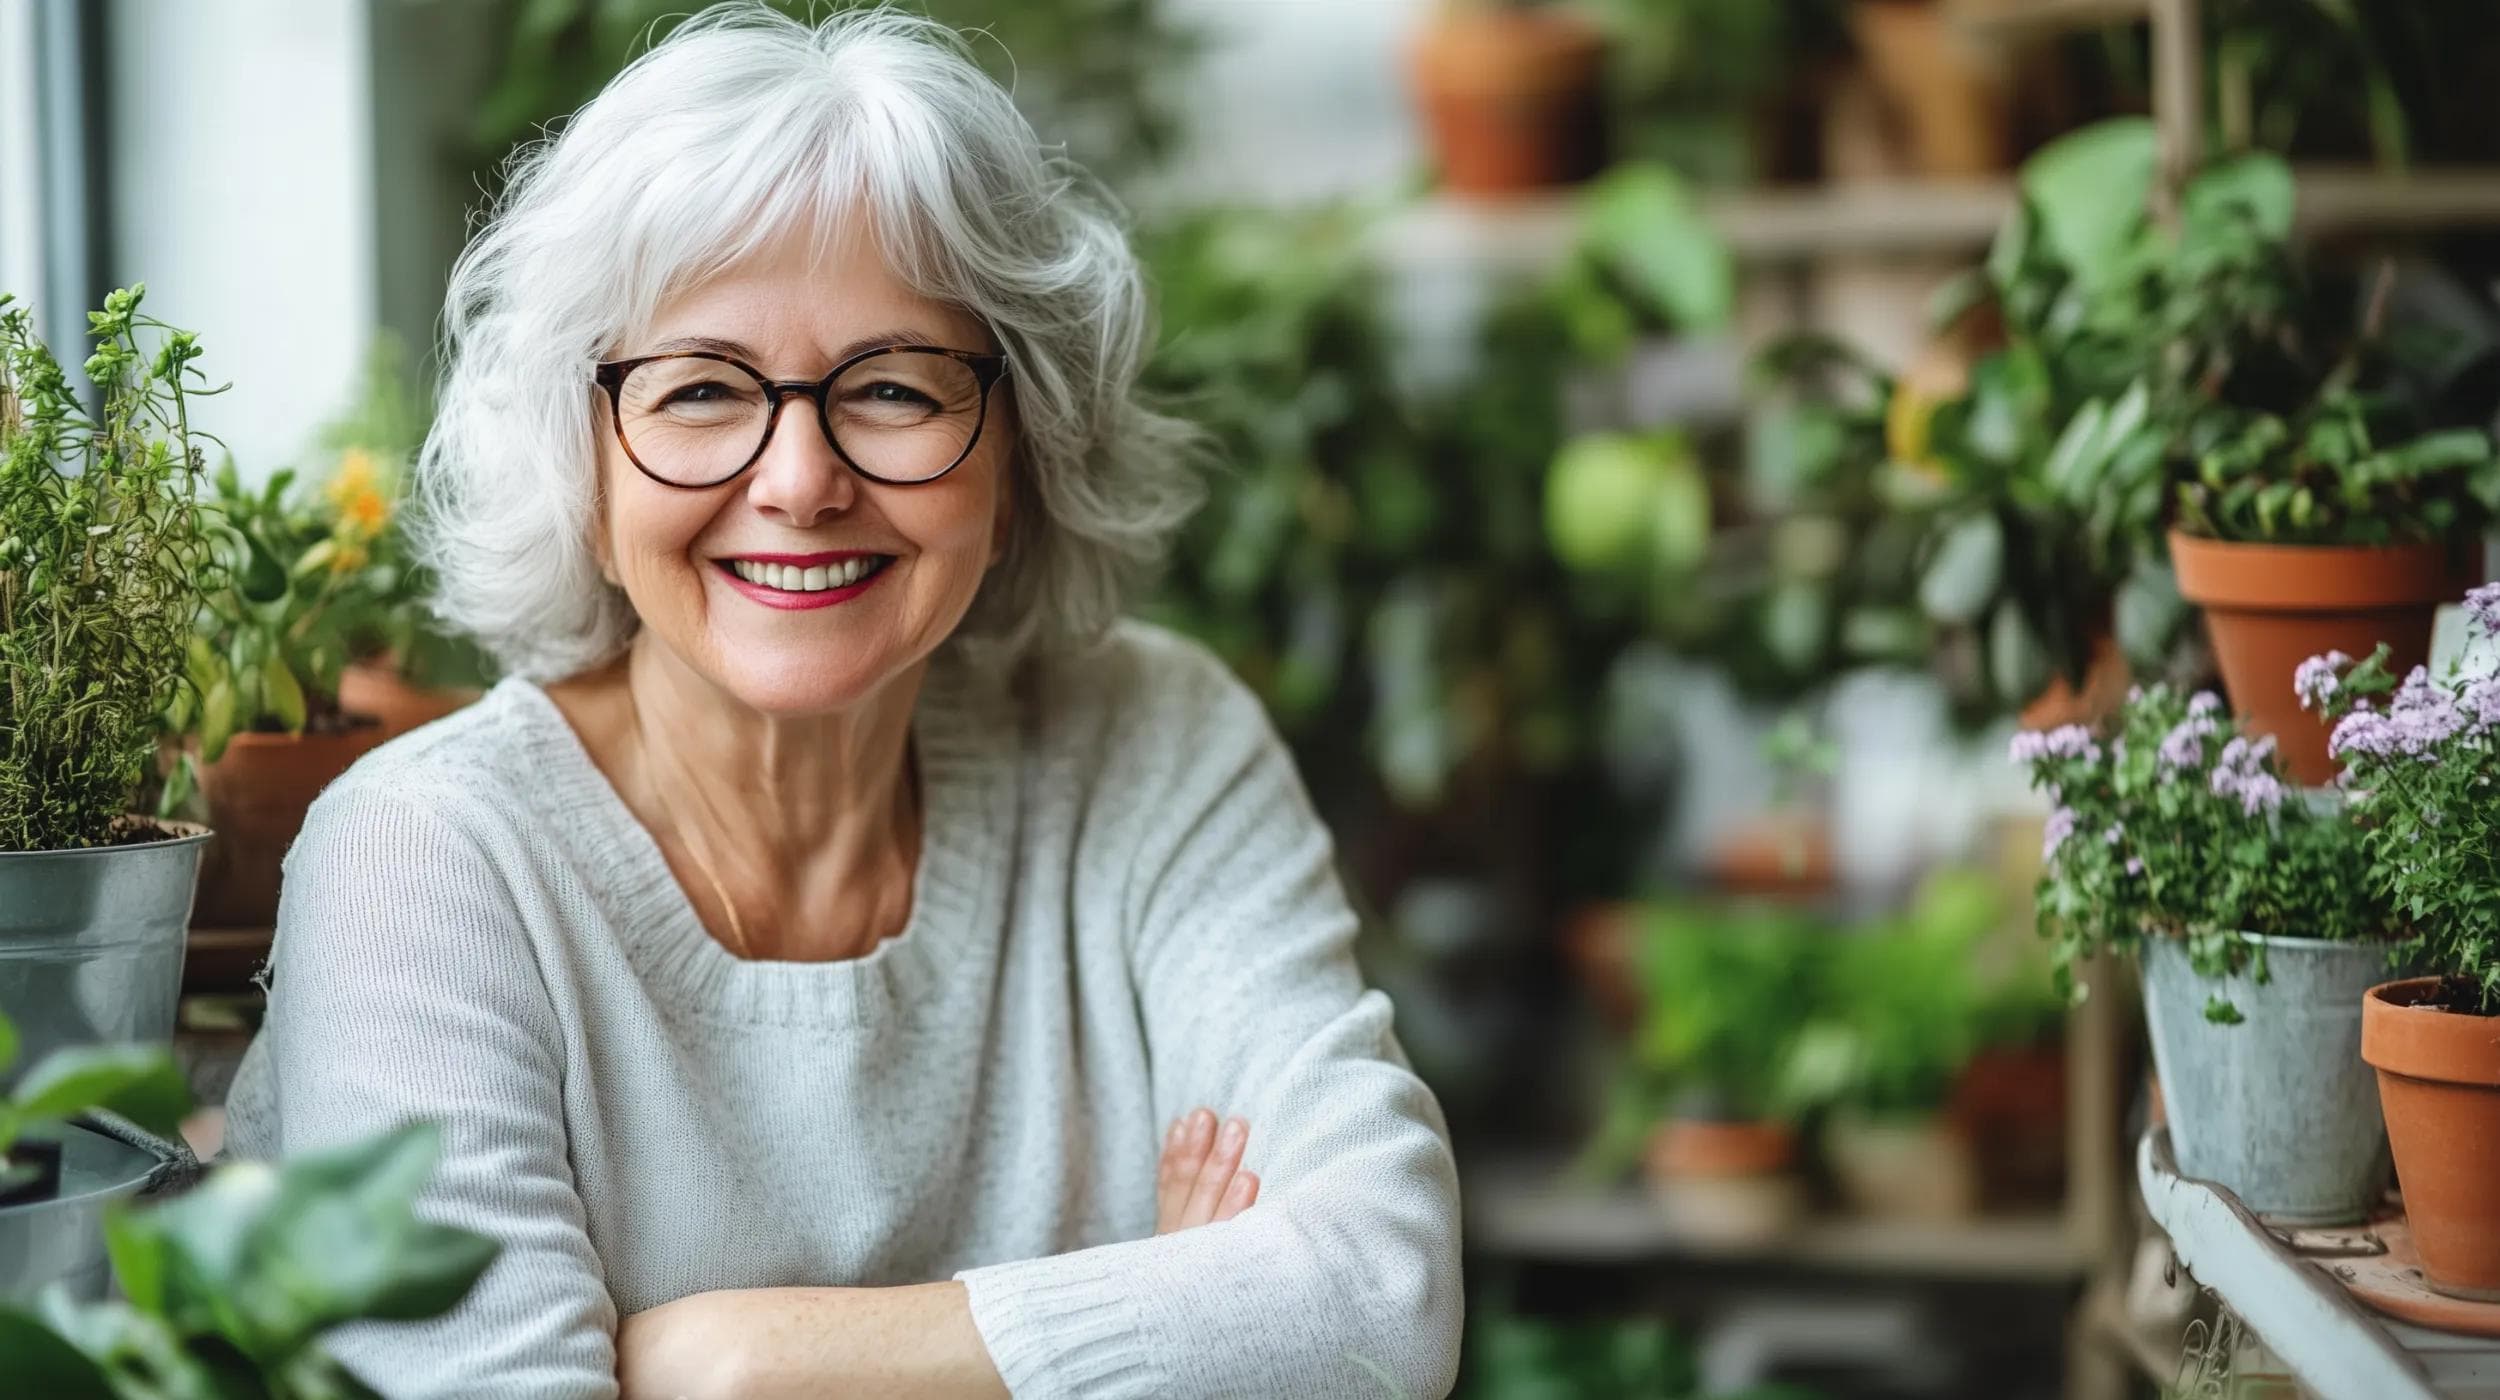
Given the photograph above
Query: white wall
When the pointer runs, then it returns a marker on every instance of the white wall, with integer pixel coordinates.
(21, 188)
(243, 196)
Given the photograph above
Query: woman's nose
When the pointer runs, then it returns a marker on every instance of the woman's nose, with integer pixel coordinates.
(800, 477)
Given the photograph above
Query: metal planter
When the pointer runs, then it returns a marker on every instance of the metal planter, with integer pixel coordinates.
(2279, 1109)
(61, 1240)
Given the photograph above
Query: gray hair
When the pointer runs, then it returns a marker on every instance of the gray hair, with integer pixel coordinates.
(744, 125)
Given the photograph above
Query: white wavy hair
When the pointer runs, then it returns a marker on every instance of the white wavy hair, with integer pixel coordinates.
(740, 127)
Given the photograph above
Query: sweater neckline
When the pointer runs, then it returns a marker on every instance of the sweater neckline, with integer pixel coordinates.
(961, 738)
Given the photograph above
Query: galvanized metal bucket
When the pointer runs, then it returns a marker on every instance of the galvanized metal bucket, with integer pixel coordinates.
(91, 942)
(62, 1240)
(2278, 1109)
(90, 953)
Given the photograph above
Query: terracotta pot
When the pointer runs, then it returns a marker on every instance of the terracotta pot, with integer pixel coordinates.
(2105, 683)
(377, 688)
(1698, 1147)
(257, 793)
(2439, 1085)
(1599, 940)
(2009, 1105)
(1948, 96)
(1725, 1183)
(2270, 607)
(1511, 98)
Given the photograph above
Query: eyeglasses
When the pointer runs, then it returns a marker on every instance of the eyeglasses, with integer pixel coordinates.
(901, 415)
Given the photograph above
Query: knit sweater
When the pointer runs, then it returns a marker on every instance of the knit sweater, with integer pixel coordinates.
(1125, 907)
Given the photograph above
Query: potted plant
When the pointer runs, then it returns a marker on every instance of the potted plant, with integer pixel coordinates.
(2335, 527)
(1511, 94)
(1906, 1002)
(2176, 839)
(267, 660)
(1715, 1088)
(104, 554)
(2420, 758)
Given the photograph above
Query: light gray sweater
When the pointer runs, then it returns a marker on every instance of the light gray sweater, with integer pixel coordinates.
(1125, 907)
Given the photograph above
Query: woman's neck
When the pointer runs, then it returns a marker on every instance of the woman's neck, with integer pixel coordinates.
(794, 838)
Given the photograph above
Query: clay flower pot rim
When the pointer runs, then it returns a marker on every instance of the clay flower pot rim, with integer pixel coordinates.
(2401, 1036)
(2304, 577)
(256, 738)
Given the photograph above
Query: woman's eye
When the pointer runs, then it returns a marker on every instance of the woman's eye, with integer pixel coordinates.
(697, 393)
(887, 391)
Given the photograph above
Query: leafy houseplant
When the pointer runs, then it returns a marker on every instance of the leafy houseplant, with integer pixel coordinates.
(2420, 756)
(229, 1288)
(104, 553)
(267, 662)
(2177, 839)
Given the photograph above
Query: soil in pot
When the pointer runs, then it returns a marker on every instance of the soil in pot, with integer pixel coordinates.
(2278, 1108)
(1725, 1181)
(2270, 607)
(257, 793)
(1511, 98)
(2439, 1083)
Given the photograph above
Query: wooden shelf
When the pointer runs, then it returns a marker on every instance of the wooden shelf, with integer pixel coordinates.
(2037, 19)
(1524, 1212)
(2337, 1348)
(1909, 217)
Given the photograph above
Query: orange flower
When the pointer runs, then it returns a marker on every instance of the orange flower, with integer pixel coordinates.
(358, 494)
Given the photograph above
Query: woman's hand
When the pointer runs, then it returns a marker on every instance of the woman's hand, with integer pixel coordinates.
(1201, 1181)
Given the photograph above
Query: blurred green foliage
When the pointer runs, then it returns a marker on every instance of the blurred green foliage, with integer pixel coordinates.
(139, 1082)
(227, 1290)
(1098, 75)
(1513, 1356)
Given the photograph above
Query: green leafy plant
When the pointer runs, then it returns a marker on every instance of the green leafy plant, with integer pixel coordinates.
(300, 575)
(1515, 1356)
(104, 555)
(1728, 989)
(2420, 758)
(2180, 826)
(1907, 1002)
(139, 1082)
(229, 1288)
(2342, 471)
(1694, 83)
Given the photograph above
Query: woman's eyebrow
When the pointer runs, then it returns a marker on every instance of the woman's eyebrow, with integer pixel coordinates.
(741, 350)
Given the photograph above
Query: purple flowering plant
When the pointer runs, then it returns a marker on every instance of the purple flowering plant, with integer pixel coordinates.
(2173, 823)
(2422, 766)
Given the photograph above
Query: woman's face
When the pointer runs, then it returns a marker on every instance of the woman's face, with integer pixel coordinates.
(921, 550)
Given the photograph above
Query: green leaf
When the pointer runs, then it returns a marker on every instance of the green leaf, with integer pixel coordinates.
(139, 1082)
(2256, 185)
(8, 1043)
(217, 718)
(1966, 572)
(262, 579)
(39, 1362)
(2089, 191)
(281, 693)
(2018, 664)
(1642, 223)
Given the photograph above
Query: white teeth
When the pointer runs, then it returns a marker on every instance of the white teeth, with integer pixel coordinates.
(791, 579)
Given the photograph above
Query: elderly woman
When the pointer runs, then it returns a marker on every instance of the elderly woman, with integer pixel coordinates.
(822, 950)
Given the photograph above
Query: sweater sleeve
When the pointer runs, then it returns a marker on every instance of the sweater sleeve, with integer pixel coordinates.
(403, 988)
(1344, 1279)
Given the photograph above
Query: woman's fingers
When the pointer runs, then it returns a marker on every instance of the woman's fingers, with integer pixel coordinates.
(1185, 1150)
(1217, 1174)
(1200, 1179)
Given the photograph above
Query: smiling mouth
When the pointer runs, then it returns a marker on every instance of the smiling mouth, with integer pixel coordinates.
(848, 572)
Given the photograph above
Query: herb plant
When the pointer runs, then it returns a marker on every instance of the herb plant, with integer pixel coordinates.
(2420, 759)
(2180, 826)
(104, 553)
(2345, 470)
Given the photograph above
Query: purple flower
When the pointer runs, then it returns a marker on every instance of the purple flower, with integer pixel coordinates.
(2111, 836)
(2065, 741)
(2317, 678)
(2184, 747)
(2204, 702)
(2060, 826)
(2484, 604)
(2135, 865)
(2244, 772)
(2481, 702)
(2362, 734)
